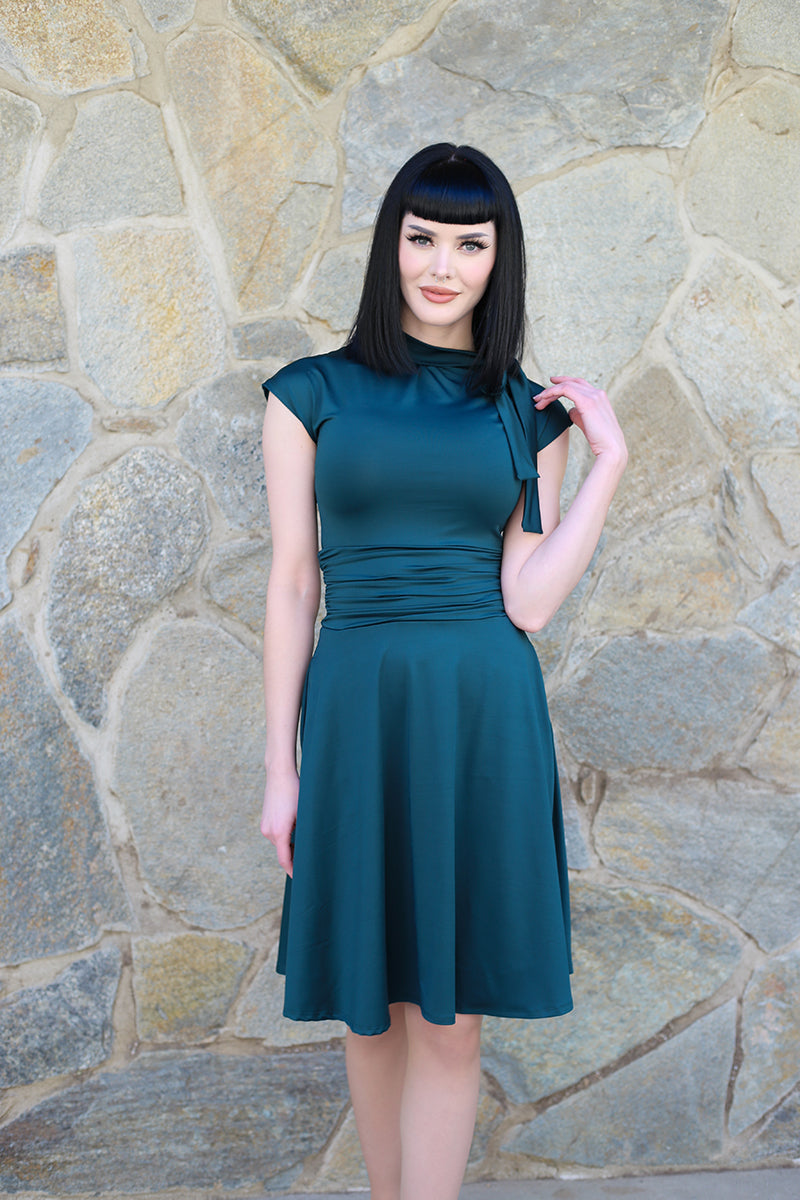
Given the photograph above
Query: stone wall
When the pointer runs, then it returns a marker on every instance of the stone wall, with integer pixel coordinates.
(185, 196)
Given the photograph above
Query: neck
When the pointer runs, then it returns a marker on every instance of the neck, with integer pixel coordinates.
(448, 337)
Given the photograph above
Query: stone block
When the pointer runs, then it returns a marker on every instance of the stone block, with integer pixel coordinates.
(260, 1014)
(766, 34)
(664, 1109)
(20, 121)
(645, 702)
(774, 753)
(641, 960)
(770, 1066)
(343, 1166)
(271, 338)
(184, 986)
(189, 771)
(743, 181)
(195, 1121)
(115, 164)
(69, 46)
(43, 428)
(267, 169)
(614, 221)
(733, 338)
(32, 332)
(58, 886)
(731, 844)
(166, 15)
(354, 29)
(776, 615)
(220, 435)
(150, 322)
(62, 1027)
(237, 580)
(778, 477)
(335, 289)
(779, 1137)
(133, 536)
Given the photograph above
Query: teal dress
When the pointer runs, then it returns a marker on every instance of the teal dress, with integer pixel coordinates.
(429, 859)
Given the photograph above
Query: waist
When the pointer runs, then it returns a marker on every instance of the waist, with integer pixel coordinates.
(367, 585)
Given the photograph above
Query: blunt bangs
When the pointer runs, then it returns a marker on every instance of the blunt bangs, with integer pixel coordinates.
(453, 192)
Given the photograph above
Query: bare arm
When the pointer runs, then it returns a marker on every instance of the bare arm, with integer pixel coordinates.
(293, 595)
(540, 570)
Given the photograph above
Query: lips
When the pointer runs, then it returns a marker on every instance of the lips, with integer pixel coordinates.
(438, 295)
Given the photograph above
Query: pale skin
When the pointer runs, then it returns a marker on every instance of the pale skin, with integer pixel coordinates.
(415, 1088)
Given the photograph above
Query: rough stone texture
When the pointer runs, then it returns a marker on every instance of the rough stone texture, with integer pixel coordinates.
(32, 331)
(752, 137)
(58, 888)
(149, 317)
(650, 722)
(690, 835)
(736, 342)
(260, 1014)
(62, 1027)
(641, 960)
(284, 340)
(343, 1165)
(770, 1041)
(69, 45)
(133, 537)
(220, 435)
(165, 15)
(665, 1109)
(778, 477)
(237, 580)
(172, 1120)
(193, 800)
(335, 289)
(43, 429)
(115, 164)
(354, 29)
(766, 34)
(777, 615)
(183, 986)
(774, 754)
(780, 1136)
(20, 121)
(267, 169)
(614, 221)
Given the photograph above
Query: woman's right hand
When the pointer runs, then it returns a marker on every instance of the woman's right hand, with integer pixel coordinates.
(279, 815)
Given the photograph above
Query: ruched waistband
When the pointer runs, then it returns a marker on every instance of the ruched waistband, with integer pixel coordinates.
(367, 585)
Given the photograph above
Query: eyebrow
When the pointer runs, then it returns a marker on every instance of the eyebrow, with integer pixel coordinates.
(462, 237)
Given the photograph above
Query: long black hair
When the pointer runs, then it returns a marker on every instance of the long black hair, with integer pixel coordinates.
(455, 185)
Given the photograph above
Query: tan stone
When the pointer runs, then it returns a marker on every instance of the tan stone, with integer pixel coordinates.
(774, 754)
(69, 45)
(150, 322)
(260, 1014)
(32, 329)
(335, 289)
(778, 477)
(744, 175)
(19, 122)
(183, 986)
(267, 169)
(766, 33)
(354, 29)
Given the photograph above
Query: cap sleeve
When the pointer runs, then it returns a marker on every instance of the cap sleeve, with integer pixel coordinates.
(296, 386)
(550, 423)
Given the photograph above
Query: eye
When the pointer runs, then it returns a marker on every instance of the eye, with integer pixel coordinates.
(473, 246)
(419, 239)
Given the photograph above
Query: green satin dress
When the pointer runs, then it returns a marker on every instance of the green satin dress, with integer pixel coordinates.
(429, 861)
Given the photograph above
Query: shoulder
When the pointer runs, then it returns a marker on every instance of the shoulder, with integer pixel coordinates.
(546, 424)
(307, 371)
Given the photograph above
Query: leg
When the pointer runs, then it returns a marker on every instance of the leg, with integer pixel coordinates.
(376, 1068)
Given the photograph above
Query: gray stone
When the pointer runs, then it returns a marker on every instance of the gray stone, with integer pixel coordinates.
(616, 222)
(777, 614)
(32, 332)
(272, 338)
(260, 1014)
(115, 164)
(335, 288)
(766, 34)
(778, 477)
(133, 536)
(150, 322)
(732, 845)
(189, 771)
(770, 1066)
(736, 342)
(780, 1136)
(43, 428)
(62, 1027)
(751, 140)
(197, 1121)
(166, 15)
(578, 855)
(641, 960)
(267, 168)
(184, 986)
(237, 580)
(59, 887)
(646, 702)
(20, 121)
(665, 1109)
(774, 754)
(220, 434)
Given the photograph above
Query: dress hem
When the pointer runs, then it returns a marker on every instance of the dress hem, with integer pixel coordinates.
(556, 1011)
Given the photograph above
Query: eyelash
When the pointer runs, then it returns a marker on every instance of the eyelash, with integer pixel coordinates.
(422, 239)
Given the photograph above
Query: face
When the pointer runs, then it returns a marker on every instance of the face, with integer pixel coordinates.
(444, 270)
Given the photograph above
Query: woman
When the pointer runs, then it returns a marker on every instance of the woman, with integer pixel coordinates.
(427, 875)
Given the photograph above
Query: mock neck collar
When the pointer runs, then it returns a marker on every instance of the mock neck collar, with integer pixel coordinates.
(426, 355)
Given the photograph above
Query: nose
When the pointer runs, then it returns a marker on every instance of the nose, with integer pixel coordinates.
(440, 267)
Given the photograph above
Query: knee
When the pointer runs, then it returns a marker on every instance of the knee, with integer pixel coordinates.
(458, 1044)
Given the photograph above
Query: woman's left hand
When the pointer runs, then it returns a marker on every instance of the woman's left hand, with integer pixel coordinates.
(592, 413)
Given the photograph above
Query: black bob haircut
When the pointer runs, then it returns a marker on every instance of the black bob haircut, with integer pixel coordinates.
(455, 185)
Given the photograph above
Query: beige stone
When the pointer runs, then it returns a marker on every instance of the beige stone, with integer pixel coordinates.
(343, 1165)
(766, 33)
(32, 330)
(150, 322)
(778, 477)
(183, 986)
(260, 1014)
(335, 289)
(744, 175)
(20, 120)
(267, 169)
(69, 45)
(770, 1040)
(775, 754)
